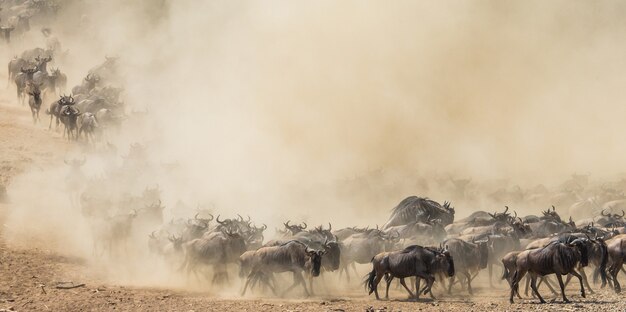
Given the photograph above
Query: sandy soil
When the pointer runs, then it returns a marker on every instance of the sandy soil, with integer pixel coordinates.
(29, 276)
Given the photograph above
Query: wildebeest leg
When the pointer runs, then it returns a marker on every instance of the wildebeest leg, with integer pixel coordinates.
(615, 268)
(527, 286)
(469, 282)
(517, 276)
(560, 279)
(533, 284)
(451, 280)
(377, 279)
(388, 279)
(297, 279)
(245, 287)
(490, 275)
(345, 268)
(581, 271)
(310, 276)
(580, 278)
(403, 283)
(430, 280)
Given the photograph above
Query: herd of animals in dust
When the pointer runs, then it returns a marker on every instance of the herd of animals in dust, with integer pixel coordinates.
(422, 241)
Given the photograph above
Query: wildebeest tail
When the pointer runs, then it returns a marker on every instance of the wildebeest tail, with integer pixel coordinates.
(369, 281)
(505, 273)
(603, 262)
(515, 282)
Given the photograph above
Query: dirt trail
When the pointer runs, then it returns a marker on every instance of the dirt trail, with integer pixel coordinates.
(29, 276)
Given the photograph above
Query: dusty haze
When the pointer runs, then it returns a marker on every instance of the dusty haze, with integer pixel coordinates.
(331, 110)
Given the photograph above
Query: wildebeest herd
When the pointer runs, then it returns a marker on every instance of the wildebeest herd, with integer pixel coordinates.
(422, 245)
(420, 242)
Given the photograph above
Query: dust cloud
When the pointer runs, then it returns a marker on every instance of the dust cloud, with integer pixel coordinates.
(335, 111)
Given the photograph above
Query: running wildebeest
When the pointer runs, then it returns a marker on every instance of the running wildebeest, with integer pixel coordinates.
(617, 254)
(470, 257)
(22, 81)
(556, 258)
(293, 256)
(88, 125)
(34, 101)
(418, 261)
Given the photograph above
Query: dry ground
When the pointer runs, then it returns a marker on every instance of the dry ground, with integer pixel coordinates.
(29, 275)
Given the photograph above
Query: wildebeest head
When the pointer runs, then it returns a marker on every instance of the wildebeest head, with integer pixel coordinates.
(294, 228)
(315, 258)
(501, 217)
(177, 242)
(332, 256)
(443, 260)
(582, 244)
(520, 227)
(551, 215)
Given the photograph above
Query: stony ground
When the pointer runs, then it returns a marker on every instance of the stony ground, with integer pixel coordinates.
(30, 277)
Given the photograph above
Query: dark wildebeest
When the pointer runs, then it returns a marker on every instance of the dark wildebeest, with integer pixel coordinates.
(617, 254)
(418, 261)
(22, 81)
(293, 256)
(34, 101)
(469, 258)
(69, 116)
(556, 258)
(415, 208)
(56, 107)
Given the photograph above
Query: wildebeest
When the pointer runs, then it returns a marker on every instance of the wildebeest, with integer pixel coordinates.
(89, 83)
(34, 101)
(469, 257)
(88, 125)
(617, 254)
(58, 80)
(556, 258)
(15, 66)
(415, 208)
(217, 250)
(293, 256)
(360, 248)
(57, 107)
(69, 116)
(418, 261)
(22, 79)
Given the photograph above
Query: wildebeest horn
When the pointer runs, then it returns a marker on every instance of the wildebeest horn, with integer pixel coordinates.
(264, 227)
(287, 223)
(506, 208)
(212, 217)
(330, 227)
(515, 212)
(152, 235)
(249, 218)
(305, 225)
(218, 220)
(553, 208)
(196, 216)
(602, 213)
(240, 217)
(623, 214)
